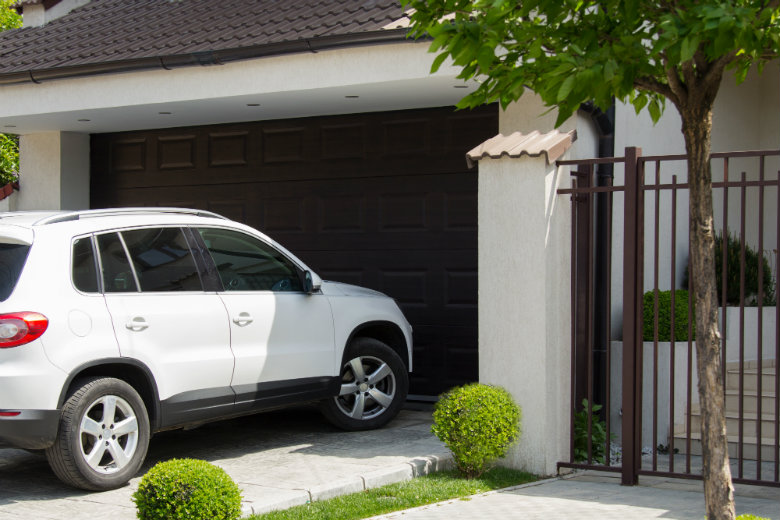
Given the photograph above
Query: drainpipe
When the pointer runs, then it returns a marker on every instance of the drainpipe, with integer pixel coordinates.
(605, 123)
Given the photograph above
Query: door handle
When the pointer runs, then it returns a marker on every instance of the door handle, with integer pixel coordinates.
(137, 324)
(243, 319)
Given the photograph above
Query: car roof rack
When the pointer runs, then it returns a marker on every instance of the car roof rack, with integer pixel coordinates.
(89, 213)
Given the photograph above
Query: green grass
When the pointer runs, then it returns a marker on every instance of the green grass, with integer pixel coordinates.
(403, 495)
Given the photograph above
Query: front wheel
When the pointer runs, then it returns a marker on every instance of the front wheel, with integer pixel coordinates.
(374, 384)
(103, 435)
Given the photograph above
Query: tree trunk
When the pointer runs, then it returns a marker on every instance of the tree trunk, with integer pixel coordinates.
(718, 490)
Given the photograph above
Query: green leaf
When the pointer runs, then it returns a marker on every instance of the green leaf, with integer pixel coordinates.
(565, 89)
(438, 61)
(655, 110)
(689, 46)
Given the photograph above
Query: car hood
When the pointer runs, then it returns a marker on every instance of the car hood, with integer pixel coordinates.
(345, 289)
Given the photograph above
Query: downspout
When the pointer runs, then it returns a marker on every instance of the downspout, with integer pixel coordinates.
(605, 123)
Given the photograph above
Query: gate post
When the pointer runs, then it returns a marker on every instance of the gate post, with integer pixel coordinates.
(633, 241)
(524, 286)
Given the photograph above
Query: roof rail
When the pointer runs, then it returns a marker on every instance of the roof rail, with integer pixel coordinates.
(88, 213)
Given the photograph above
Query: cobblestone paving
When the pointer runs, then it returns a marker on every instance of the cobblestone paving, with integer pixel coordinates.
(278, 459)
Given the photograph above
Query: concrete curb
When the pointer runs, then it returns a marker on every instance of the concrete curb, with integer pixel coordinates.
(401, 472)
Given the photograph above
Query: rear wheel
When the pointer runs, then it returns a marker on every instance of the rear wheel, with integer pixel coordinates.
(374, 384)
(103, 435)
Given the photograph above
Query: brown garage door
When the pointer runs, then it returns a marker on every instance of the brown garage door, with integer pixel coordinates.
(382, 200)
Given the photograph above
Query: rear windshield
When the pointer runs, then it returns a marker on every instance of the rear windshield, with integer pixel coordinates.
(12, 258)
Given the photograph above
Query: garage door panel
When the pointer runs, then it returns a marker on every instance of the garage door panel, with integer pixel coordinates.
(443, 357)
(432, 287)
(382, 200)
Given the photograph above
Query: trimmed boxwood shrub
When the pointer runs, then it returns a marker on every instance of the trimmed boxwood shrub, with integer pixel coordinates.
(478, 423)
(733, 275)
(665, 316)
(187, 489)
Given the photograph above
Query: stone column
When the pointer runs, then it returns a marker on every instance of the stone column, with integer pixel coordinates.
(525, 299)
(54, 171)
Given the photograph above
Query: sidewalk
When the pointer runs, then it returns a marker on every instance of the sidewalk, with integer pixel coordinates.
(289, 457)
(278, 459)
(595, 496)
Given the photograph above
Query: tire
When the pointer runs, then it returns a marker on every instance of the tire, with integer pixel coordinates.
(376, 400)
(103, 435)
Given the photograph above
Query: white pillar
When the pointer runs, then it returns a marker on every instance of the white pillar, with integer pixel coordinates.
(54, 171)
(525, 300)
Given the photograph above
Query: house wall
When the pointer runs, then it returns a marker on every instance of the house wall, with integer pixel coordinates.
(54, 171)
(746, 117)
(524, 300)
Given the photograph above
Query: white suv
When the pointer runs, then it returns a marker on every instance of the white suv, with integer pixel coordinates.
(115, 324)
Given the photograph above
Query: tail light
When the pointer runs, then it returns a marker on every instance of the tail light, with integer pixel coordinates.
(18, 328)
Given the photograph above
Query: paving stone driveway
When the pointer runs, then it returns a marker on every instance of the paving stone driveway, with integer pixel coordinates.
(278, 458)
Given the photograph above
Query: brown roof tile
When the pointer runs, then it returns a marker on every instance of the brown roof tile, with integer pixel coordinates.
(106, 31)
(552, 145)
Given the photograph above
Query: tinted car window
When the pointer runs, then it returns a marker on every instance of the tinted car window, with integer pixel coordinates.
(84, 271)
(245, 263)
(117, 273)
(162, 260)
(12, 259)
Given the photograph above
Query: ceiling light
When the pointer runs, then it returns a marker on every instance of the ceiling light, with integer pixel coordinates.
(352, 97)
(253, 104)
(84, 120)
(461, 86)
(165, 113)
(10, 126)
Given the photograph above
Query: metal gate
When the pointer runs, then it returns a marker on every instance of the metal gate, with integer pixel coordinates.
(634, 385)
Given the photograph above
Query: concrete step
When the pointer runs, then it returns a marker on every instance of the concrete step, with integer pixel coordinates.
(749, 422)
(749, 401)
(750, 379)
(749, 451)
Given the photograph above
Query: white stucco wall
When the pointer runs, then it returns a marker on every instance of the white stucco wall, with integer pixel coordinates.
(746, 117)
(54, 171)
(524, 300)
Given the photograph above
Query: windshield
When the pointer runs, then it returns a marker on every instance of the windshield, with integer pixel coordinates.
(12, 258)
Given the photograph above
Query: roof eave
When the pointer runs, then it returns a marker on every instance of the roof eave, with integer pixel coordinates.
(203, 58)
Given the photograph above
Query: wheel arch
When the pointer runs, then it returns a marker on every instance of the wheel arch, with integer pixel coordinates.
(388, 333)
(131, 371)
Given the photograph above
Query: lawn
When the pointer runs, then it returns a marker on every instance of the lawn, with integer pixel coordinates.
(403, 495)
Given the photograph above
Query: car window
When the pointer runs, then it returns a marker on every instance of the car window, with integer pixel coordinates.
(162, 260)
(246, 263)
(117, 273)
(84, 271)
(12, 259)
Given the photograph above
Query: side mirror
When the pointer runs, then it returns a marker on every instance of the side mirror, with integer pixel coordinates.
(311, 282)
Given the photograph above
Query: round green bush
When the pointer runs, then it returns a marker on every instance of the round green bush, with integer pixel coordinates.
(187, 489)
(665, 316)
(478, 423)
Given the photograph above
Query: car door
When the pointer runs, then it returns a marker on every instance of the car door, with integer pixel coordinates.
(282, 337)
(163, 318)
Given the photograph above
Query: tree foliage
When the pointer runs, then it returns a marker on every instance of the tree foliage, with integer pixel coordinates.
(9, 18)
(645, 52)
(573, 51)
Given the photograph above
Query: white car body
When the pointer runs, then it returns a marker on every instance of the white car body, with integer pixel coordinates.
(192, 355)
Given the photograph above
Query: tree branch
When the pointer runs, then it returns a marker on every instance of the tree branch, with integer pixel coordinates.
(677, 87)
(716, 67)
(653, 85)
